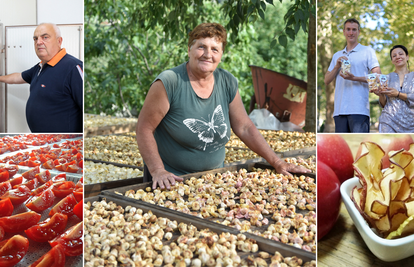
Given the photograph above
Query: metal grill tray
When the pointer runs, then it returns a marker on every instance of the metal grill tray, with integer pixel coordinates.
(94, 189)
(122, 190)
(36, 249)
(263, 243)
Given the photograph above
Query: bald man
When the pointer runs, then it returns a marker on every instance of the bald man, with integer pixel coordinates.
(55, 103)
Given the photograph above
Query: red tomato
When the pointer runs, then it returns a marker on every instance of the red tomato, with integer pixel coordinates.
(18, 195)
(13, 250)
(4, 187)
(48, 164)
(41, 188)
(30, 174)
(59, 178)
(64, 206)
(12, 169)
(78, 210)
(6, 208)
(60, 167)
(19, 222)
(43, 176)
(33, 163)
(42, 201)
(79, 184)
(4, 176)
(78, 194)
(81, 164)
(32, 184)
(55, 146)
(54, 258)
(16, 180)
(328, 199)
(1, 233)
(72, 168)
(48, 229)
(63, 189)
(71, 240)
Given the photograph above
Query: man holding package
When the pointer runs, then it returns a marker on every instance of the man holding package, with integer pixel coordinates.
(55, 103)
(349, 66)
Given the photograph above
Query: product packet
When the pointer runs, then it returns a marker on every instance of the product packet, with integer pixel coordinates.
(346, 66)
(383, 80)
(372, 81)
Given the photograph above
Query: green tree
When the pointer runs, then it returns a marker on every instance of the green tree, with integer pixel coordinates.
(128, 43)
(394, 26)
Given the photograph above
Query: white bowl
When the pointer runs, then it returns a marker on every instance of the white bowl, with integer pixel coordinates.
(384, 249)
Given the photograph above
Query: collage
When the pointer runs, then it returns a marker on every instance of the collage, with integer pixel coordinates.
(206, 133)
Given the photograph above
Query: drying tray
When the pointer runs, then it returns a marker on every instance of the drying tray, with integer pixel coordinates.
(263, 243)
(119, 193)
(37, 249)
(94, 189)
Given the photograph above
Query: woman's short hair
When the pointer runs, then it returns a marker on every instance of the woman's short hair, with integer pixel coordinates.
(208, 30)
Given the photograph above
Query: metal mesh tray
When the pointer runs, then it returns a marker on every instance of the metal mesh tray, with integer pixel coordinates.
(121, 190)
(36, 249)
(264, 244)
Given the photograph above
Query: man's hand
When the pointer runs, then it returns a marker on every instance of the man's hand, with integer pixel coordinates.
(285, 168)
(164, 179)
(339, 61)
(347, 76)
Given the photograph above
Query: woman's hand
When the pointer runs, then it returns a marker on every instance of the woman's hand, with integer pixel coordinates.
(390, 92)
(288, 168)
(164, 179)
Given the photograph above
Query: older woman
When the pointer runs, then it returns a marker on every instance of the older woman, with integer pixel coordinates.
(397, 99)
(185, 121)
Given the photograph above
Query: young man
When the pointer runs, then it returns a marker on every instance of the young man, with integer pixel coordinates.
(351, 106)
(55, 103)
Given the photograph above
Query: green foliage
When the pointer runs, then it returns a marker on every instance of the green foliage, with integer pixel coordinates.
(394, 26)
(128, 43)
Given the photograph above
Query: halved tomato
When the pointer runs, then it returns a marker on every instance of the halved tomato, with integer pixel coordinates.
(80, 183)
(31, 174)
(72, 168)
(78, 194)
(4, 187)
(55, 145)
(54, 258)
(41, 201)
(43, 176)
(1, 233)
(62, 189)
(41, 188)
(12, 169)
(18, 195)
(48, 164)
(48, 229)
(4, 176)
(71, 240)
(19, 222)
(80, 164)
(13, 250)
(17, 180)
(61, 177)
(64, 206)
(32, 184)
(78, 210)
(6, 208)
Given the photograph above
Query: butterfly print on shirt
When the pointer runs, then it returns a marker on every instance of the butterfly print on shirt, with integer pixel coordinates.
(206, 130)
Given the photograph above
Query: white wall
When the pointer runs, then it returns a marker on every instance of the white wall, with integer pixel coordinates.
(60, 11)
(32, 12)
(12, 12)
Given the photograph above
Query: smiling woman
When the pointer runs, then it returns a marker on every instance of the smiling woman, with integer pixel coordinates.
(189, 111)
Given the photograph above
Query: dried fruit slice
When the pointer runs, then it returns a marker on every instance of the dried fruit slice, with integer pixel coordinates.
(405, 229)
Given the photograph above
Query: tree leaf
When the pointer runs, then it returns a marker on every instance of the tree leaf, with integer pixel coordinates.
(263, 4)
(261, 14)
(254, 2)
(270, 2)
(250, 9)
(297, 28)
(273, 43)
(283, 40)
(291, 33)
(240, 9)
